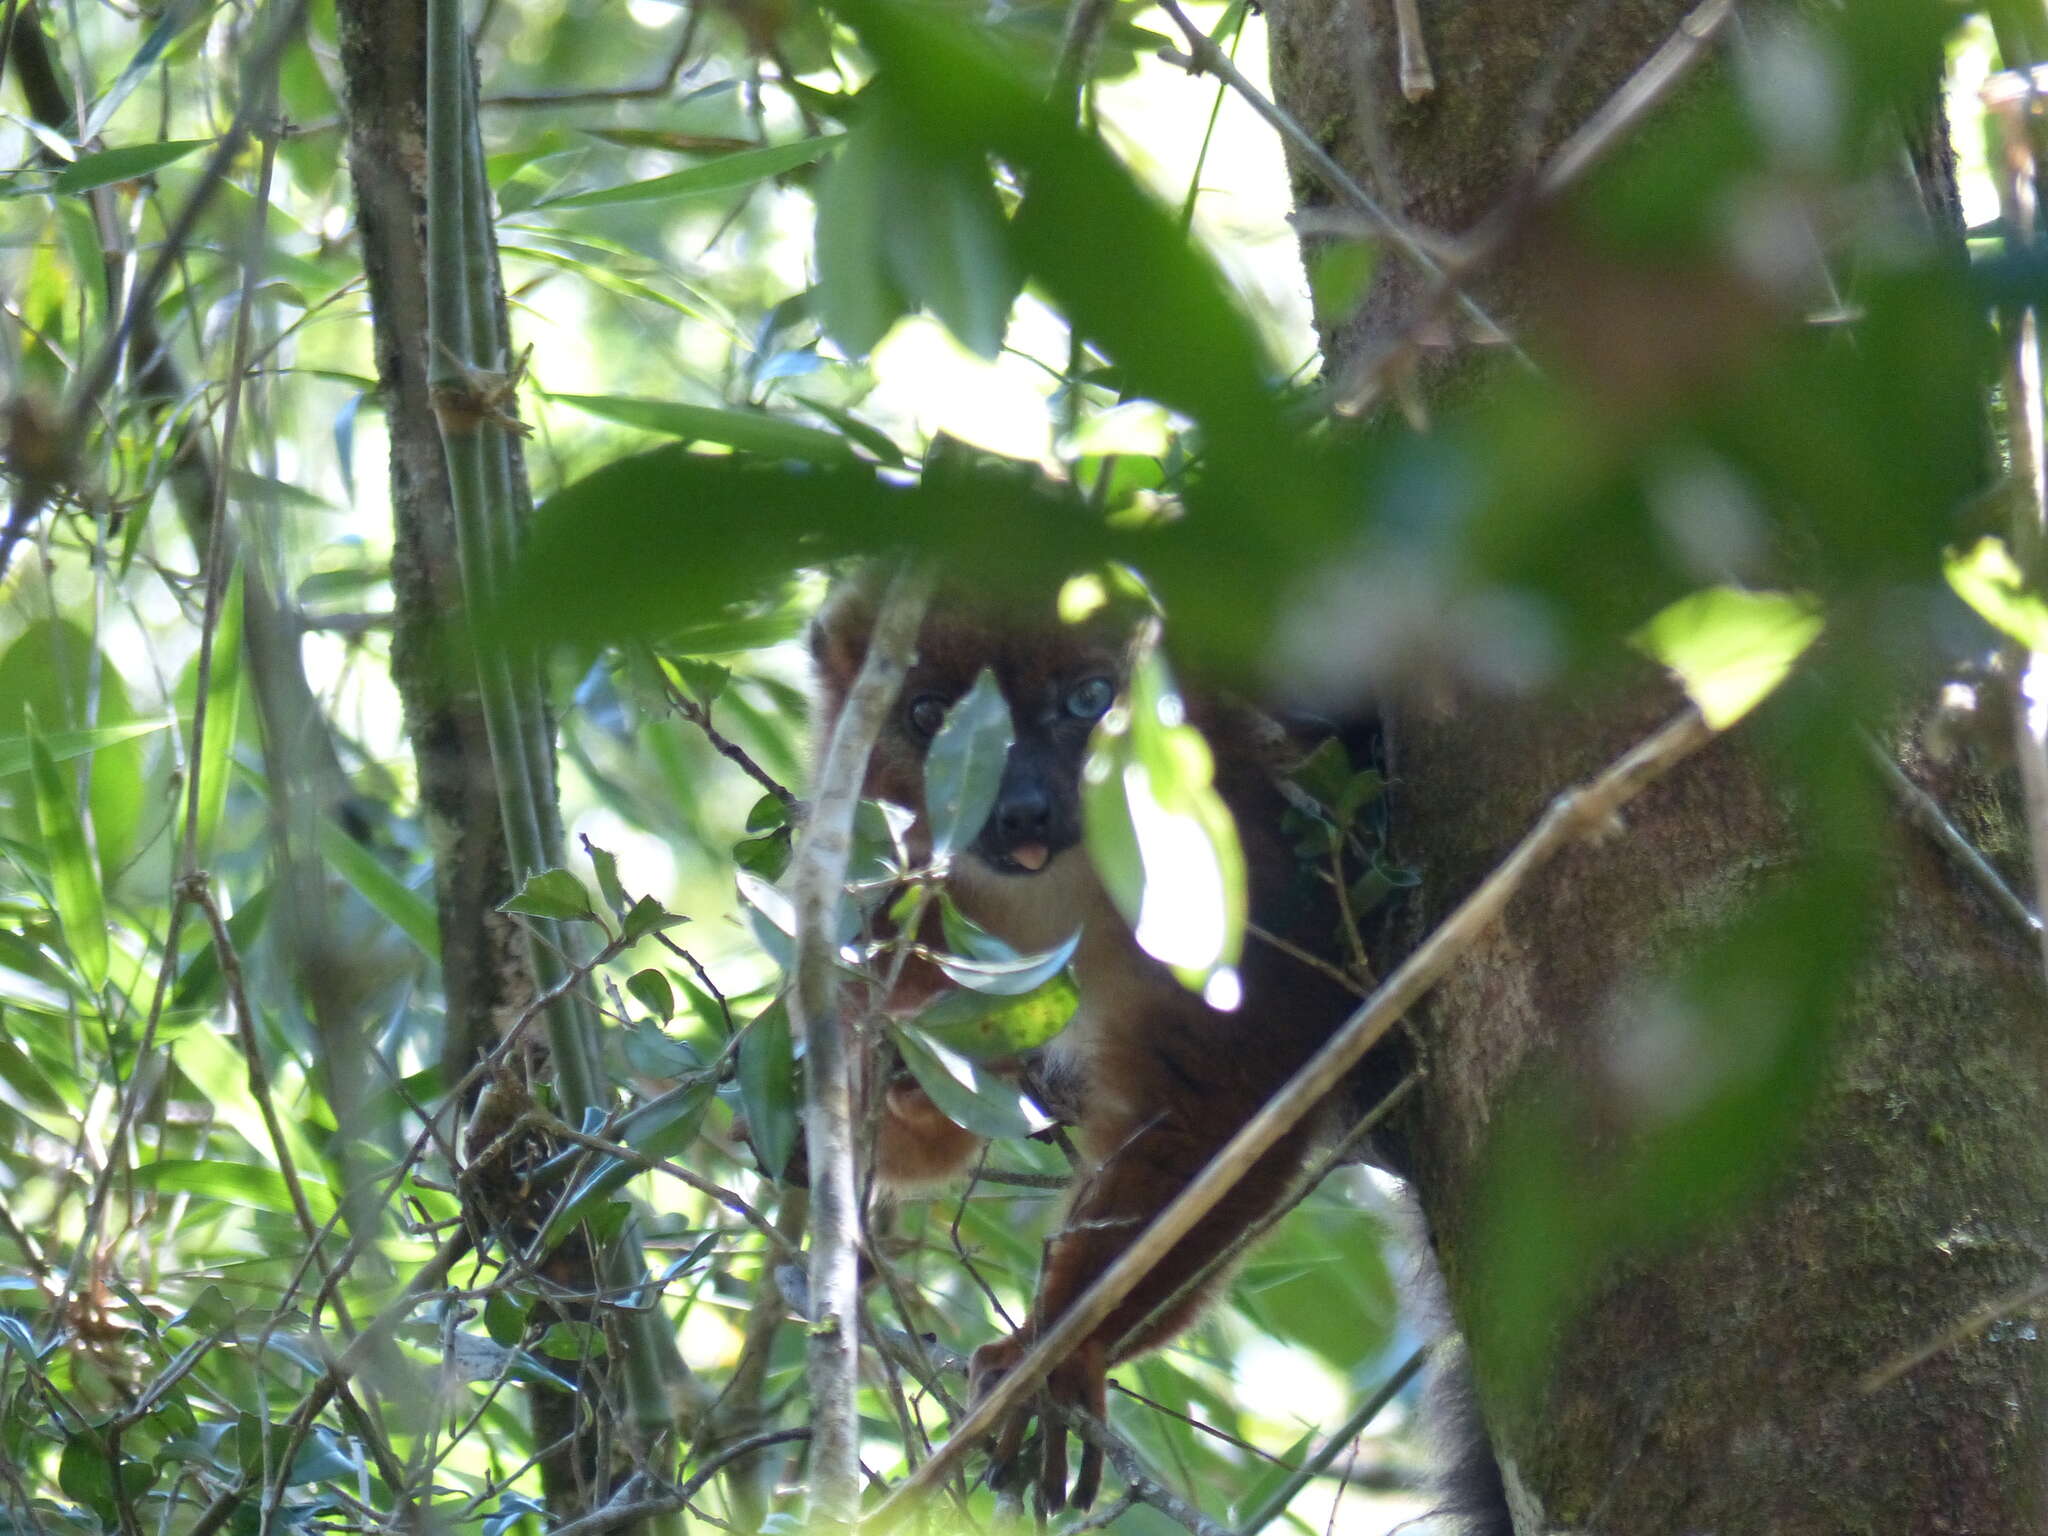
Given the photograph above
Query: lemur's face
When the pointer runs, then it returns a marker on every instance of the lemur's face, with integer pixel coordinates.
(1057, 679)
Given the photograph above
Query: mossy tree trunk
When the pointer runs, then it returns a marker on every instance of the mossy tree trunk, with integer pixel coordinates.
(1716, 1384)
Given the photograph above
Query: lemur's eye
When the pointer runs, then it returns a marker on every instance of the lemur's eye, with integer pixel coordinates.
(1088, 699)
(927, 712)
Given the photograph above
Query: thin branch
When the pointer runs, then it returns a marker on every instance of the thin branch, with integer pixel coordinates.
(727, 748)
(1274, 1505)
(725, 1197)
(1085, 20)
(1972, 1323)
(659, 84)
(1138, 1478)
(1925, 812)
(816, 881)
(1571, 817)
(1417, 78)
(616, 1513)
(1313, 961)
(1304, 1186)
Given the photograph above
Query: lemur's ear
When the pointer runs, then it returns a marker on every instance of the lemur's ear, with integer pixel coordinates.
(839, 634)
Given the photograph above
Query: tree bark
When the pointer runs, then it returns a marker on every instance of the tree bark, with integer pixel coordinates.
(487, 974)
(1715, 1384)
(484, 968)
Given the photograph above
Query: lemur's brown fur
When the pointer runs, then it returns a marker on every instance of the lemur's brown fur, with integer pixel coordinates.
(1159, 1080)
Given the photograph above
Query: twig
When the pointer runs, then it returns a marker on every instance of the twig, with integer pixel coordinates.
(703, 979)
(616, 1514)
(1304, 1186)
(1077, 51)
(1023, 1178)
(1966, 1328)
(1275, 1503)
(1204, 56)
(816, 879)
(656, 85)
(727, 748)
(1572, 816)
(1314, 962)
(1417, 78)
(1925, 812)
(2018, 200)
(625, 1154)
(1201, 1427)
(195, 889)
(1138, 1478)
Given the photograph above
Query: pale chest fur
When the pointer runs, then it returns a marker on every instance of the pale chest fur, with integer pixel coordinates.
(1121, 988)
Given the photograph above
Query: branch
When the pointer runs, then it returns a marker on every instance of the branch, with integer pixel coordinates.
(1275, 1503)
(727, 748)
(1138, 1478)
(1925, 812)
(657, 85)
(1304, 1186)
(616, 1514)
(817, 880)
(1572, 816)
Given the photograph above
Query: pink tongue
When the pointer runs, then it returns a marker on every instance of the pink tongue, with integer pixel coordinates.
(1031, 855)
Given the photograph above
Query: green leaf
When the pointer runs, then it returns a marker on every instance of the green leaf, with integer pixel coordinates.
(955, 257)
(84, 1473)
(223, 718)
(572, 1341)
(1180, 337)
(1729, 647)
(505, 1317)
(743, 168)
(553, 893)
(966, 1092)
(659, 1128)
(262, 1189)
(124, 164)
(15, 752)
(982, 1027)
(407, 910)
(1012, 976)
(650, 1053)
(750, 431)
(56, 666)
(767, 1079)
(964, 768)
(74, 876)
(1162, 839)
(1988, 578)
(705, 682)
(858, 296)
(770, 915)
(651, 990)
(647, 916)
(606, 867)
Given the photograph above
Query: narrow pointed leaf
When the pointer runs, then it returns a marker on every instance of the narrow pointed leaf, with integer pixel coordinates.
(74, 874)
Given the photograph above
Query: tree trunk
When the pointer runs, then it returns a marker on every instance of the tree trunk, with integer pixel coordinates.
(486, 972)
(1715, 1383)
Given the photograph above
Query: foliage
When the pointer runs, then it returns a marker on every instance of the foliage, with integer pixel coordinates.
(228, 1152)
